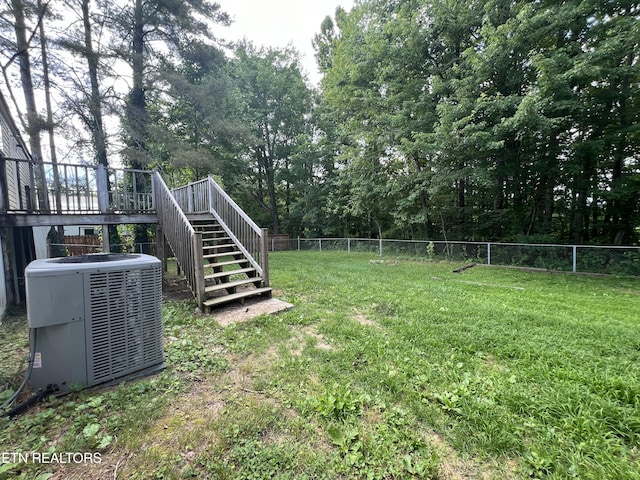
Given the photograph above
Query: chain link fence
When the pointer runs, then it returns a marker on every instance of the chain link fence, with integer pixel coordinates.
(565, 258)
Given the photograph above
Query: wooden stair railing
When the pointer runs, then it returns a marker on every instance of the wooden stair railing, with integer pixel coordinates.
(229, 275)
(185, 242)
(232, 252)
(206, 196)
(252, 240)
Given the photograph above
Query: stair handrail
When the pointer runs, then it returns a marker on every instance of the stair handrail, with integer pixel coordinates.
(185, 242)
(248, 236)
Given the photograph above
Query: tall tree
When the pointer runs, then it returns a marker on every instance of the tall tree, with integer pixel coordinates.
(141, 23)
(614, 41)
(502, 119)
(276, 101)
(197, 120)
(86, 98)
(34, 123)
(89, 96)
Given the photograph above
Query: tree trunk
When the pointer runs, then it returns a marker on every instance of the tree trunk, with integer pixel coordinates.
(33, 119)
(98, 136)
(95, 100)
(269, 174)
(137, 117)
(59, 231)
(136, 114)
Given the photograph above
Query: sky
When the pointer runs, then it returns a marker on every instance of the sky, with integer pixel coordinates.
(276, 23)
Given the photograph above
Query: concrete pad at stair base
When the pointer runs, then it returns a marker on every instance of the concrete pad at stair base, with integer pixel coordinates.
(250, 309)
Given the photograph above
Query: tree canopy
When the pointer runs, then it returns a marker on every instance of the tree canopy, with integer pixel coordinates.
(494, 120)
(470, 119)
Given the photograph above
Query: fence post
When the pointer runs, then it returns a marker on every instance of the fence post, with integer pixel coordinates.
(380, 246)
(348, 245)
(298, 242)
(320, 243)
(488, 253)
(575, 257)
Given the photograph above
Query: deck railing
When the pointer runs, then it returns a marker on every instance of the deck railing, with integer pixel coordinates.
(74, 189)
(185, 242)
(193, 197)
(206, 196)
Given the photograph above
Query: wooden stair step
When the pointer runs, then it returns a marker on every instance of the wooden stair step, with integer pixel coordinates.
(222, 245)
(205, 223)
(209, 239)
(206, 235)
(224, 264)
(220, 255)
(236, 296)
(227, 273)
(237, 283)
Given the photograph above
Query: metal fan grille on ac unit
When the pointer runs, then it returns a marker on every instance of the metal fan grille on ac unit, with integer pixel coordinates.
(124, 334)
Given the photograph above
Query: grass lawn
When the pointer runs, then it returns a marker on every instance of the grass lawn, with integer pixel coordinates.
(384, 369)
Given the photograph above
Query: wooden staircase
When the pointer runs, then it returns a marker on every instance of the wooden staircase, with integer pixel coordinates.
(221, 251)
(228, 274)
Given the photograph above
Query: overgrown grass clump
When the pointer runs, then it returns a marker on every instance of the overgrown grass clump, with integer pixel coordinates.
(384, 369)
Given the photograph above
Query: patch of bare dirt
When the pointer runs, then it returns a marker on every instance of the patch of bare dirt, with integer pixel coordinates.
(251, 308)
(175, 288)
(187, 422)
(187, 417)
(364, 320)
(300, 337)
(454, 467)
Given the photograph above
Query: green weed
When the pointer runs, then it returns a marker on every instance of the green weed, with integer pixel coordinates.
(487, 373)
(338, 402)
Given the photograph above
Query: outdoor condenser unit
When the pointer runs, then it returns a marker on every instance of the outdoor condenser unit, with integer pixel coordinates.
(97, 317)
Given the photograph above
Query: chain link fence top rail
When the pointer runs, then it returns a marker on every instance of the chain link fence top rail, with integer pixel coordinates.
(566, 258)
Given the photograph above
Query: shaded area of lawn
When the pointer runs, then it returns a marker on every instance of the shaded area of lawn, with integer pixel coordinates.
(384, 369)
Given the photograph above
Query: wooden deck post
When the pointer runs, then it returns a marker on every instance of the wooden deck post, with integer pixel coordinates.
(106, 247)
(102, 187)
(103, 203)
(198, 269)
(212, 203)
(189, 199)
(264, 255)
(160, 247)
(4, 192)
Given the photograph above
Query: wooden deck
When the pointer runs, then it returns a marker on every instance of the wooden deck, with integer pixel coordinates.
(52, 220)
(203, 226)
(47, 194)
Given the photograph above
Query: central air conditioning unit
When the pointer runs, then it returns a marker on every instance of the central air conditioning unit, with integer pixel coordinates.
(96, 317)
